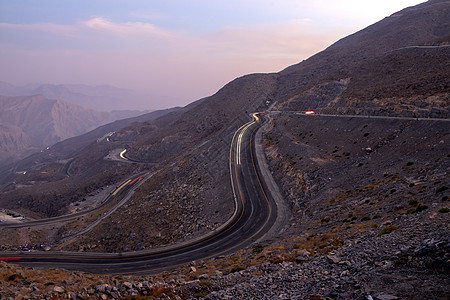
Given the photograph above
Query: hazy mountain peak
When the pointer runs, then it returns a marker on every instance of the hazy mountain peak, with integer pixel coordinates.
(100, 97)
(30, 123)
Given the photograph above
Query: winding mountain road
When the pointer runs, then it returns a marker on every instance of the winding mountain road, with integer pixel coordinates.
(126, 185)
(254, 215)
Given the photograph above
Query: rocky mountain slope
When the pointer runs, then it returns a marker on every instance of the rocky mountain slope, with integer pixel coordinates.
(31, 123)
(369, 196)
(397, 66)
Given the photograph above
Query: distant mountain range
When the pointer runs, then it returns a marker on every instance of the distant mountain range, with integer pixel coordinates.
(30, 123)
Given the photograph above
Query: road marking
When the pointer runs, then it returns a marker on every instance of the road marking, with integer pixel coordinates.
(239, 142)
(260, 185)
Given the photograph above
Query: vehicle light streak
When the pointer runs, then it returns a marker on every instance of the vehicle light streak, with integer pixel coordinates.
(10, 258)
(238, 150)
(120, 187)
(136, 179)
(122, 154)
(239, 141)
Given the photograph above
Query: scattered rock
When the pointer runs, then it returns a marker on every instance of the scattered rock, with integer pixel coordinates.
(384, 297)
(58, 289)
(301, 258)
(102, 288)
(303, 252)
(333, 258)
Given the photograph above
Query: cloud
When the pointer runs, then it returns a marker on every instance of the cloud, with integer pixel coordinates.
(126, 28)
(141, 56)
(94, 25)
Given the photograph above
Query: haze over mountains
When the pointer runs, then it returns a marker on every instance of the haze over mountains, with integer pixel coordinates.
(32, 123)
(103, 98)
(344, 179)
(36, 116)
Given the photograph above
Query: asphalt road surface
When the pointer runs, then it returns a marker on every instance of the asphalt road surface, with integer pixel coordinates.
(117, 192)
(254, 215)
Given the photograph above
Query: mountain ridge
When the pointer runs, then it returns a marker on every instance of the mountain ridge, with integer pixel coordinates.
(32, 123)
(99, 97)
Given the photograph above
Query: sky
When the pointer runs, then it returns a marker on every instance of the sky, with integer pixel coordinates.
(175, 50)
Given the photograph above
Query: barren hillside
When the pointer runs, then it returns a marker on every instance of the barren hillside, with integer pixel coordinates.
(368, 196)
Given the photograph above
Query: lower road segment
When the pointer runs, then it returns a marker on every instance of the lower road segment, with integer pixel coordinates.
(254, 215)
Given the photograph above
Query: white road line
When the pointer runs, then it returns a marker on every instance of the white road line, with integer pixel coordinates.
(238, 149)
